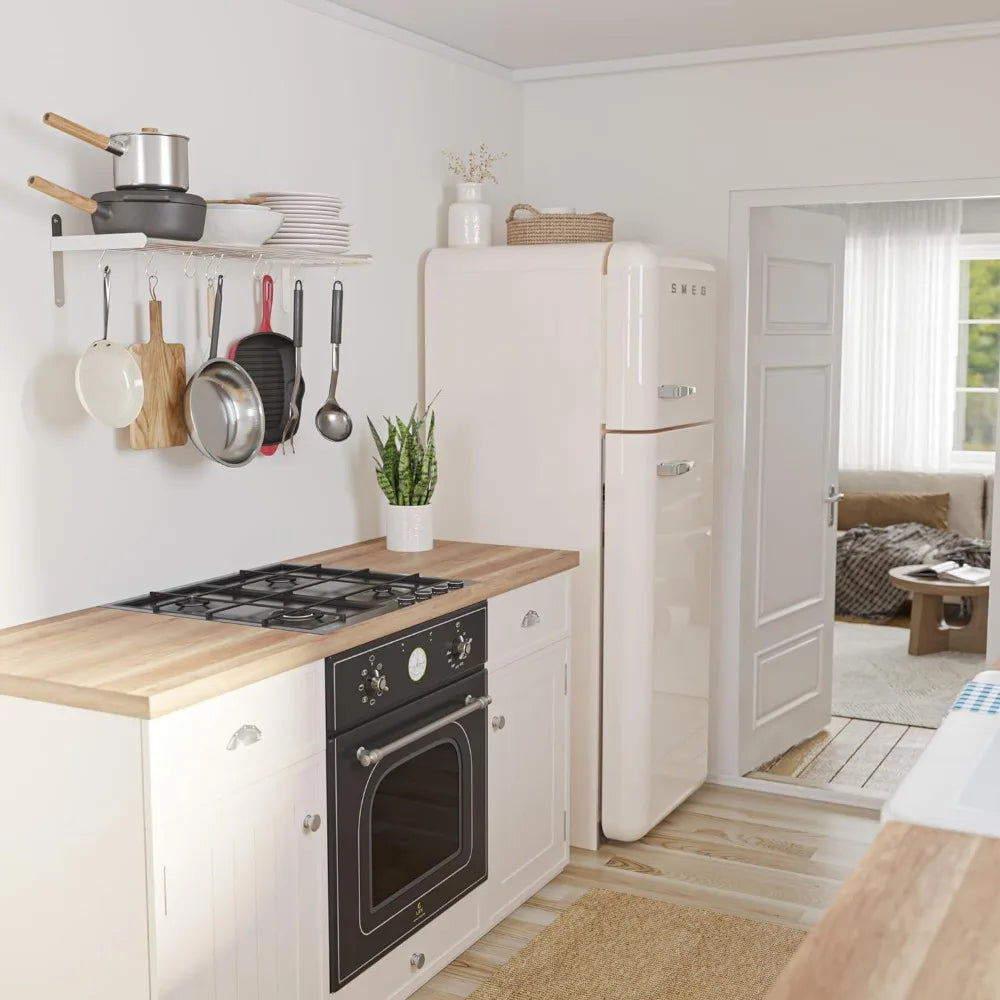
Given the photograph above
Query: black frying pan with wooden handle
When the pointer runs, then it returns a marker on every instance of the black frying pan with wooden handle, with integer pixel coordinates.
(161, 215)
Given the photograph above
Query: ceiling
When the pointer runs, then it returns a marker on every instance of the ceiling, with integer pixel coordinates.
(523, 34)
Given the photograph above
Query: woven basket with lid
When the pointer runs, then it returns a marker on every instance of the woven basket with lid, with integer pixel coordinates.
(542, 227)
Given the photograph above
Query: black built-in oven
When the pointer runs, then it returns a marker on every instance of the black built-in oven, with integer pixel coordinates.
(406, 779)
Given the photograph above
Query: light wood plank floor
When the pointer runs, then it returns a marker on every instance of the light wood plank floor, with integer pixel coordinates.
(851, 753)
(741, 852)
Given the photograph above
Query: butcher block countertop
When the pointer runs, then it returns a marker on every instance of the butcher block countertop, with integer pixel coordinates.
(146, 665)
(917, 920)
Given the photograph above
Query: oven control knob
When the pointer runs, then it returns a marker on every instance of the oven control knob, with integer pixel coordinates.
(377, 684)
(460, 647)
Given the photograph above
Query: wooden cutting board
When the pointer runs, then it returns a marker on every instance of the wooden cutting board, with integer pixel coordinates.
(160, 423)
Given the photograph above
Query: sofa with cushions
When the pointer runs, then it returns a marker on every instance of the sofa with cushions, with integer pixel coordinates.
(969, 509)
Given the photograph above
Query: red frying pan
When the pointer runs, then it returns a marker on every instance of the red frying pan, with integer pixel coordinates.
(269, 360)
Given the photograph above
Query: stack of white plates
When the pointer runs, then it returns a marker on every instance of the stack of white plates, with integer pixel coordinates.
(310, 220)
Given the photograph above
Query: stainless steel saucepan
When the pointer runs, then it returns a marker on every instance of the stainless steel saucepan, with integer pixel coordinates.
(222, 407)
(145, 159)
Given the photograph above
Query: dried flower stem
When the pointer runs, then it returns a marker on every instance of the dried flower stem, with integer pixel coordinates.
(479, 167)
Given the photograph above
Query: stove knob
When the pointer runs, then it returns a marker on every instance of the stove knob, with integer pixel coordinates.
(460, 647)
(377, 684)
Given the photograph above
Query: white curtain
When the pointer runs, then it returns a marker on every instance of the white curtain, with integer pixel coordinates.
(900, 335)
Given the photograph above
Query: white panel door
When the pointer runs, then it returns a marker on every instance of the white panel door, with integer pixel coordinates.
(657, 608)
(527, 777)
(241, 889)
(789, 536)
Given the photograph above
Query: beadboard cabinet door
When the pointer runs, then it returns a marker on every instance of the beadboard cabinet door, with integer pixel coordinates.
(241, 890)
(527, 777)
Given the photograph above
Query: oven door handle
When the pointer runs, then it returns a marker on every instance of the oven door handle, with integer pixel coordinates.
(366, 758)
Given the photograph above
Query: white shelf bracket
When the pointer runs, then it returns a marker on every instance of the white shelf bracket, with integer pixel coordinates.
(58, 275)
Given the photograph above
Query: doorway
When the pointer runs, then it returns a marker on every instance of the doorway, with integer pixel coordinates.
(776, 646)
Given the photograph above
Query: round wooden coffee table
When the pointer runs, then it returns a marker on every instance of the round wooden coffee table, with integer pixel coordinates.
(929, 633)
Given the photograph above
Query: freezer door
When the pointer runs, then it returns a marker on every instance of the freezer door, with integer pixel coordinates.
(657, 611)
(661, 317)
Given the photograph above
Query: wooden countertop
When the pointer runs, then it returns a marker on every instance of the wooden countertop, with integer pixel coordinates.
(917, 920)
(146, 665)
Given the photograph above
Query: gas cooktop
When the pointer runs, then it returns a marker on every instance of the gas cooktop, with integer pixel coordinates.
(317, 598)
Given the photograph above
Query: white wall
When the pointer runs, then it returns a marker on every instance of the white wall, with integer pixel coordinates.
(273, 96)
(662, 150)
(981, 215)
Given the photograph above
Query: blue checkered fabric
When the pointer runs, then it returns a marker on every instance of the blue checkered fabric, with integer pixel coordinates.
(977, 697)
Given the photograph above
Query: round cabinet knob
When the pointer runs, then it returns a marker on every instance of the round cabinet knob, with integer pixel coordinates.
(312, 822)
(417, 960)
(460, 647)
(499, 721)
(377, 684)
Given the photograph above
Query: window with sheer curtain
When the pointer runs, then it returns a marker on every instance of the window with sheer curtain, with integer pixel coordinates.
(899, 370)
(978, 352)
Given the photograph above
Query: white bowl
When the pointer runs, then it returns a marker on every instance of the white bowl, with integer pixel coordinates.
(240, 225)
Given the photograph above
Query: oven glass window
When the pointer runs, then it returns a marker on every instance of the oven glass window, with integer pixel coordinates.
(416, 820)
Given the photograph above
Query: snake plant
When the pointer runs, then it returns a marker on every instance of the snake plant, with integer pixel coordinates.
(406, 465)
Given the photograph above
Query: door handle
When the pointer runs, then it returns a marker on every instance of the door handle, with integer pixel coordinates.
(368, 757)
(676, 391)
(674, 468)
(832, 498)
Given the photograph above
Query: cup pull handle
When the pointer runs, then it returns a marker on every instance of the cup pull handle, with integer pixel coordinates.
(244, 737)
(531, 617)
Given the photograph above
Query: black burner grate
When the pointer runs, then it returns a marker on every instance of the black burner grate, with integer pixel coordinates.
(301, 598)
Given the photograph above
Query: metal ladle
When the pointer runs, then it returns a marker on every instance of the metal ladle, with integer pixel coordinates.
(332, 420)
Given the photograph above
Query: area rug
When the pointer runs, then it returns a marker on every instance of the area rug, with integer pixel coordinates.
(613, 946)
(875, 678)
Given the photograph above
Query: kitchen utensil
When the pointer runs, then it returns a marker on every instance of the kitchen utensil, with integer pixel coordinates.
(269, 359)
(332, 421)
(162, 215)
(236, 201)
(160, 423)
(222, 407)
(239, 225)
(108, 379)
(145, 159)
(292, 423)
(310, 196)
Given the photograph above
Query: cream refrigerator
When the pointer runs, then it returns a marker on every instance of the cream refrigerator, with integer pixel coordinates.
(575, 411)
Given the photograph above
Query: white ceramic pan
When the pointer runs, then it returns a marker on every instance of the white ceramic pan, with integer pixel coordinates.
(108, 378)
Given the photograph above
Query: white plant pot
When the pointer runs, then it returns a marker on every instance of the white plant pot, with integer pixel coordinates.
(409, 529)
(470, 219)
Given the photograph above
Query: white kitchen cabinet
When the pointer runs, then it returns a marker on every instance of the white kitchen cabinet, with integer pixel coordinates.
(527, 777)
(241, 894)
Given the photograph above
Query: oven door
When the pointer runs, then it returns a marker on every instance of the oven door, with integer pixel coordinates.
(410, 827)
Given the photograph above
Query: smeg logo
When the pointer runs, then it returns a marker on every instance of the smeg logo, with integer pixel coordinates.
(685, 289)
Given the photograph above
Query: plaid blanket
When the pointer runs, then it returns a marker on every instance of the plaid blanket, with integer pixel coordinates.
(866, 554)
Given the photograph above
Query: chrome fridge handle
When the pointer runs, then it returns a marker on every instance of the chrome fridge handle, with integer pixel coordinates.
(679, 468)
(676, 391)
(368, 757)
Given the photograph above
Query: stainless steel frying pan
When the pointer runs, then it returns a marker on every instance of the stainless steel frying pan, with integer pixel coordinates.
(222, 407)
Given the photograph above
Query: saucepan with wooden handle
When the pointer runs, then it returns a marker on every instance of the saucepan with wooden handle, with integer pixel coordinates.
(145, 159)
(161, 215)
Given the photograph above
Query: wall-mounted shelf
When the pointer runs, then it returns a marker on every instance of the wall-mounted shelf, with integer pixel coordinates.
(288, 256)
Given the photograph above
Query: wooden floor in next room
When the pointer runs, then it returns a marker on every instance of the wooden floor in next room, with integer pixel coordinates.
(748, 853)
(851, 754)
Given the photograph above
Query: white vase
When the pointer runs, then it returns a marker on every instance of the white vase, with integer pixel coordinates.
(470, 219)
(409, 529)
